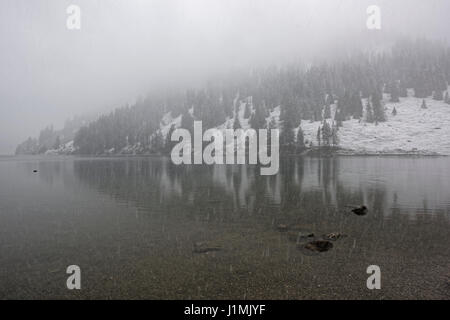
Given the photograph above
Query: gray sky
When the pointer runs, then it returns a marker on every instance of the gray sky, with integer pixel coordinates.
(126, 47)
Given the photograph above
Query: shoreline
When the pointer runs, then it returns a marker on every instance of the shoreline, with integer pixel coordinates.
(306, 153)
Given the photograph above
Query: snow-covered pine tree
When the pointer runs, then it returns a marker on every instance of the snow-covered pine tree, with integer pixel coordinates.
(326, 112)
(447, 98)
(271, 125)
(369, 112)
(329, 99)
(339, 117)
(377, 106)
(394, 91)
(403, 91)
(247, 111)
(300, 139)
(344, 105)
(319, 133)
(157, 143)
(326, 133)
(357, 105)
(334, 136)
(169, 144)
(288, 123)
(57, 143)
(257, 119)
(236, 122)
(424, 104)
(187, 122)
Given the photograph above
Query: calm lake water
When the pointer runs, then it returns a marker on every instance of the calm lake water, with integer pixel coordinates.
(131, 225)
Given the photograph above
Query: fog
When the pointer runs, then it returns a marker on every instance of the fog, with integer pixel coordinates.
(126, 48)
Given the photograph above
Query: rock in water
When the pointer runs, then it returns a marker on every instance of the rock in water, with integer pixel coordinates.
(361, 211)
(201, 247)
(333, 236)
(319, 245)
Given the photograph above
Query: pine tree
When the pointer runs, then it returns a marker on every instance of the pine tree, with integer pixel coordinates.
(236, 122)
(257, 119)
(326, 112)
(329, 100)
(403, 91)
(395, 92)
(377, 107)
(326, 133)
(344, 105)
(288, 123)
(169, 144)
(272, 124)
(287, 137)
(357, 106)
(424, 104)
(300, 139)
(369, 112)
(319, 133)
(157, 143)
(334, 136)
(247, 111)
(447, 98)
(339, 117)
(394, 112)
(187, 122)
(57, 143)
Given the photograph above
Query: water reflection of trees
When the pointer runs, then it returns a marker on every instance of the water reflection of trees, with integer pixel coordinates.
(227, 192)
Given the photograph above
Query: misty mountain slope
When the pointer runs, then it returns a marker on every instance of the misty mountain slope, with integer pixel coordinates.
(321, 100)
(411, 130)
(53, 141)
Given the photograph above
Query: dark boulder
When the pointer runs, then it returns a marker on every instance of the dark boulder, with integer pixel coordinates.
(319, 245)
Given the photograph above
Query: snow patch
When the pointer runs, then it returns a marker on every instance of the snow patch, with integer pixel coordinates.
(412, 130)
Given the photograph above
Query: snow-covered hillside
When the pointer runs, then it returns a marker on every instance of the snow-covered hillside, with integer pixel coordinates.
(413, 129)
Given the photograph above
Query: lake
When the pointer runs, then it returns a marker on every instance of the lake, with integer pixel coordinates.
(133, 225)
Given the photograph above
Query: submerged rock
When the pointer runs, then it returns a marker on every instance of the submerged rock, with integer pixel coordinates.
(333, 236)
(319, 245)
(361, 211)
(202, 247)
